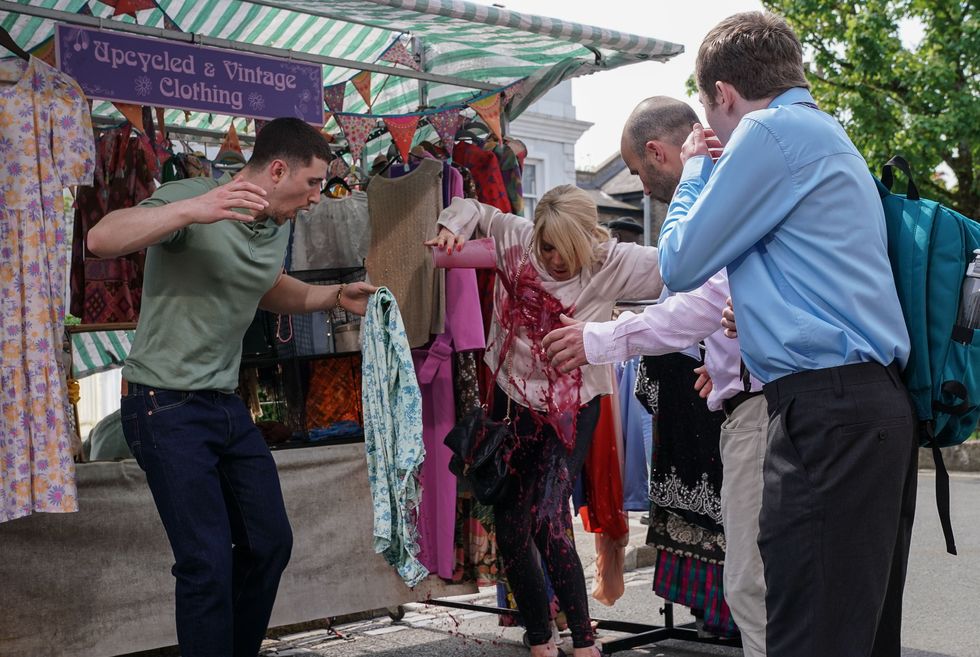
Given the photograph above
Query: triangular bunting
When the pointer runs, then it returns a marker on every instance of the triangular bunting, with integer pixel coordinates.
(514, 91)
(398, 54)
(230, 151)
(356, 129)
(337, 168)
(333, 96)
(362, 82)
(489, 110)
(129, 7)
(446, 125)
(402, 131)
(132, 113)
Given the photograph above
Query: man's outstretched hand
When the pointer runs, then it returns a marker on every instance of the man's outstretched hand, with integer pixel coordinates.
(355, 296)
(565, 346)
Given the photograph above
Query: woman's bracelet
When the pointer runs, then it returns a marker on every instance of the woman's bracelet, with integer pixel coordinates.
(340, 291)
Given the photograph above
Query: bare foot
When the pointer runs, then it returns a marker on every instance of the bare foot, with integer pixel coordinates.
(545, 650)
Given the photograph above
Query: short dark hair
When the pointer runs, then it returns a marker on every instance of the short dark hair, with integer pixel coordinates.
(289, 139)
(660, 118)
(756, 52)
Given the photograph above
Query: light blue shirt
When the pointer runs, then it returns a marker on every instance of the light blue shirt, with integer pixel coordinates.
(793, 213)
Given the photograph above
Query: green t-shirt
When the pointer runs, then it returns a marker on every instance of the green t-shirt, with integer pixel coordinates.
(201, 287)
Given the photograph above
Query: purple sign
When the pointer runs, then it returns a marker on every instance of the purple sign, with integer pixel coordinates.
(143, 71)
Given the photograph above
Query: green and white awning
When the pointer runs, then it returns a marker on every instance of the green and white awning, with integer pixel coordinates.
(486, 46)
(98, 351)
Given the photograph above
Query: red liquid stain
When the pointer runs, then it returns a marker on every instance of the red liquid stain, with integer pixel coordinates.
(528, 310)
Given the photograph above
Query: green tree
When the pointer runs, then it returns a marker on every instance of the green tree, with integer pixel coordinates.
(921, 101)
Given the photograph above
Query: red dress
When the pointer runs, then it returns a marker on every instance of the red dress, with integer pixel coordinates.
(109, 290)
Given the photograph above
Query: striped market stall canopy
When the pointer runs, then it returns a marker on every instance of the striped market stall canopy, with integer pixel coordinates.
(98, 351)
(465, 49)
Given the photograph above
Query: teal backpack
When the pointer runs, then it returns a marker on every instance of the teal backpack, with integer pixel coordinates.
(930, 247)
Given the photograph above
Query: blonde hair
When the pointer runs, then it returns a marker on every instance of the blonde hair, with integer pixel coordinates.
(566, 217)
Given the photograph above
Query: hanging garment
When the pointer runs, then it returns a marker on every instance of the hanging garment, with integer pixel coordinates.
(109, 290)
(683, 498)
(403, 213)
(696, 584)
(46, 145)
(485, 168)
(476, 544)
(466, 388)
(452, 179)
(669, 529)
(185, 165)
(434, 367)
(686, 473)
(332, 395)
(510, 173)
(334, 233)
(637, 439)
(604, 514)
(392, 435)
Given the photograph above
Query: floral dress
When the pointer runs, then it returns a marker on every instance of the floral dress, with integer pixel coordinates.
(392, 435)
(46, 144)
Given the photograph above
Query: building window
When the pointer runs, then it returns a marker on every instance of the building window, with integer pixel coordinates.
(531, 188)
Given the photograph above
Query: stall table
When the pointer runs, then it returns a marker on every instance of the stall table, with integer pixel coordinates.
(98, 583)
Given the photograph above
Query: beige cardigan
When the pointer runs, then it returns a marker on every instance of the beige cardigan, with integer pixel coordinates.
(623, 271)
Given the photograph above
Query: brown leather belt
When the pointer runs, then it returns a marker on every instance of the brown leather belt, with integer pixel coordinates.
(730, 404)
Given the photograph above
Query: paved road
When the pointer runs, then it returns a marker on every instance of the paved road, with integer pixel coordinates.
(942, 601)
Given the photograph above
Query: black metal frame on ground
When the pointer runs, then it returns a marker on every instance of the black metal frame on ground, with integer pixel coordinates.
(642, 634)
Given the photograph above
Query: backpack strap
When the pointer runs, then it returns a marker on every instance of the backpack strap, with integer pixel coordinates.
(887, 178)
(942, 489)
(942, 499)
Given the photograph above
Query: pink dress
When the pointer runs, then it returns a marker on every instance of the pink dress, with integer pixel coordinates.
(46, 144)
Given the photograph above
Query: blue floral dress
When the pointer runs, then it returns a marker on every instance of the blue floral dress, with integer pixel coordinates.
(392, 435)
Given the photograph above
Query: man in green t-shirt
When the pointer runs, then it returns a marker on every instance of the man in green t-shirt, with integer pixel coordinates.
(215, 251)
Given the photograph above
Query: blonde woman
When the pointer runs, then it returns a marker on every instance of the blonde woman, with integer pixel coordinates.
(563, 262)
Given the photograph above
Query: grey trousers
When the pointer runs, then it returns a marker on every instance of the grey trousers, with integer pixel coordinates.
(743, 450)
(838, 503)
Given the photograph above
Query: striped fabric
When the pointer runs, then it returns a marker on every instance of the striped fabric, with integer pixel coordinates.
(97, 351)
(460, 39)
(695, 584)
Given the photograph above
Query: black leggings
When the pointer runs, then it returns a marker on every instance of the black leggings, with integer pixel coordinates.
(516, 527)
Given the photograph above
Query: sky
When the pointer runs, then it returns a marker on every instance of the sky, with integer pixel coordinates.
(607, 98)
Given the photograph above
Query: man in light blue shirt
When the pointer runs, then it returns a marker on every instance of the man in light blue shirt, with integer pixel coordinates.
(793, 214)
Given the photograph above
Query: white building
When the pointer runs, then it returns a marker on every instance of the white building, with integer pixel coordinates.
(549, 129)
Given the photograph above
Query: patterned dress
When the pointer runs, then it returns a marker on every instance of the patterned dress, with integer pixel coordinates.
(107, 290)
(392, 435)
(46, 144)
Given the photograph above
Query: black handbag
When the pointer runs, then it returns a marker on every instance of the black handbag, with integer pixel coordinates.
(481, 448)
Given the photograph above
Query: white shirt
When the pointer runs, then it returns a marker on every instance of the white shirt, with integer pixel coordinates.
(675, 324)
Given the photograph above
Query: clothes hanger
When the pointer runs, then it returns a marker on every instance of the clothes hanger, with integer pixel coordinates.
(336, 180)
(474, 132)
(8, 42)
(393, 156)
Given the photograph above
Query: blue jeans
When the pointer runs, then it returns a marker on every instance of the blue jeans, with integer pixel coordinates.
(217, 490)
